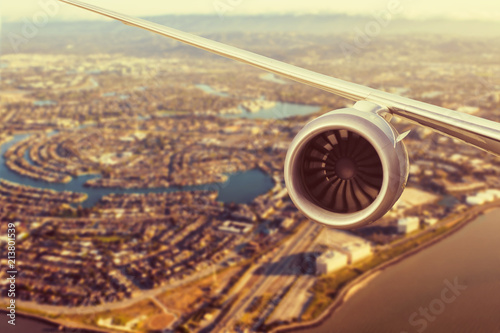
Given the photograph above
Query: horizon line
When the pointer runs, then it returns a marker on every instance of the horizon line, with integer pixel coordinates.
(6, 19)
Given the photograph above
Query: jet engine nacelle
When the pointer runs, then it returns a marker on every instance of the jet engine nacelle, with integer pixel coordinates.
(347, 168)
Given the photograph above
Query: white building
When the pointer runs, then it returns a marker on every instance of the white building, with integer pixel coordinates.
(357, 251)
(236, 227)
(483, 197)
(430, 221)
(330, 261)
(287, 223)
(408, 225)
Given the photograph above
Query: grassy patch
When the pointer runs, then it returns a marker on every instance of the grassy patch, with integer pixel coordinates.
(325, 289)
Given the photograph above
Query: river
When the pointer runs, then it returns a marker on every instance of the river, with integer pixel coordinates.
(241, 187)
(278, 111)
(415, 295)
(255, 182)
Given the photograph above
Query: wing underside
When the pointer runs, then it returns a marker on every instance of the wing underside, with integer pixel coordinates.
(482, 133)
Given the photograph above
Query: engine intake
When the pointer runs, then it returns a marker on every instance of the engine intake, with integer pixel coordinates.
(346, 168)
(341, 171)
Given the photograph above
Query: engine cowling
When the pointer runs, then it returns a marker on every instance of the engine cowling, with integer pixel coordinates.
(346, 168)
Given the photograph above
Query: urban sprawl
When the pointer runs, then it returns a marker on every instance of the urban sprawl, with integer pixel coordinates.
(167, 134)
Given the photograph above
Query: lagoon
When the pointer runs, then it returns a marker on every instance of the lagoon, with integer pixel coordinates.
(241, 187)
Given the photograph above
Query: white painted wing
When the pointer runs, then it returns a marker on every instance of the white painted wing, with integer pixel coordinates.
(482, 133)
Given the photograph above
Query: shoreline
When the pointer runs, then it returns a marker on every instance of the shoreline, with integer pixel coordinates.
(363, 280)
(344, 294)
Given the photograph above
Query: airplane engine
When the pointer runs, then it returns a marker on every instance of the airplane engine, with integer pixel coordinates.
(346, 168)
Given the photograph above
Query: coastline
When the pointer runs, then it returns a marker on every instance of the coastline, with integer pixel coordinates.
(343, 295)
(364, 279)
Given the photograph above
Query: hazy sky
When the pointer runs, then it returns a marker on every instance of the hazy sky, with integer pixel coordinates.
(480, 9)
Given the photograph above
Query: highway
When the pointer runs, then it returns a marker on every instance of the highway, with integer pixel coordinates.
(271, 276)
(292, 305)
(137, 296)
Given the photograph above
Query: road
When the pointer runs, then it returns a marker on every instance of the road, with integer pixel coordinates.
(293, 304)
(296, 244)
(137, 296)
(271, 276)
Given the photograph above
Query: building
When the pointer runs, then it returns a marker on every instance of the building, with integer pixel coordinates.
(268, 212)
(236, 227)
(244, 215)
(430, 221)
(411, 198)
(408, 225)
(251, 248)
(287, 223)
(483, 197)
(357, 251)
(330, 261)
(463, 187)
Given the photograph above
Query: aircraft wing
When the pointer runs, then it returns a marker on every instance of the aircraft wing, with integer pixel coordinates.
(482, 133)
